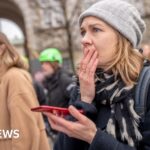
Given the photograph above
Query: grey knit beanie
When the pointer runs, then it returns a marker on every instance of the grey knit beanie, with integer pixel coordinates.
(121, 15)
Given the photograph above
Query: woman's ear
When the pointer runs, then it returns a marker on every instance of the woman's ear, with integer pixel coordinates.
(2, 48)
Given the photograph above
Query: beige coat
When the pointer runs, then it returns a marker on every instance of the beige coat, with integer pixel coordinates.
(17, 97)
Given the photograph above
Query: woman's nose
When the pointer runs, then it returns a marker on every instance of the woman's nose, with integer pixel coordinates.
(86, 40)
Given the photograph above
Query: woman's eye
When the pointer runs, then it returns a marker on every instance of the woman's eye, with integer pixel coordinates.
(96, 29)
(82, 33)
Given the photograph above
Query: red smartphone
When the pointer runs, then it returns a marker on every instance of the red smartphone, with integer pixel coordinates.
(52, 109)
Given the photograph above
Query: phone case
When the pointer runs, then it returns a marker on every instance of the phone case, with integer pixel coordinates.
(53, 109)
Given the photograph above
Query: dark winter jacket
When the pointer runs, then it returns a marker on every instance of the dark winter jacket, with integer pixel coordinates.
(59, 86)
(41, 96)
(102, 140)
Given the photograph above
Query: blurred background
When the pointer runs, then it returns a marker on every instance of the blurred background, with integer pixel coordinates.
(33, 25)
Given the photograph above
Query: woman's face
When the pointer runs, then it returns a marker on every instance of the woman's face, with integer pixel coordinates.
(100, 36)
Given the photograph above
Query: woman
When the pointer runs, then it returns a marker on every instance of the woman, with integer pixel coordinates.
(26, 129)
(108, 73)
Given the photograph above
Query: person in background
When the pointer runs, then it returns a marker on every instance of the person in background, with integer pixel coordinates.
(57, 81)
(17, 97)
(146, 51)
(111, 32)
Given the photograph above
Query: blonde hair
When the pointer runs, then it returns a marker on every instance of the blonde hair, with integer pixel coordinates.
(10, 57)
(127, 62)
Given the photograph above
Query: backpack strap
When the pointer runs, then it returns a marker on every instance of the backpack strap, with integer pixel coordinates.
(141, 91)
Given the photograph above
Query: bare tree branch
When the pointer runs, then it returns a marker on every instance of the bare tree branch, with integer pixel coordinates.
(63, 5)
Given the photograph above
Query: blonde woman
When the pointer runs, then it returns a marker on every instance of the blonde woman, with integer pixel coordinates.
(20, 128)
(111, 31)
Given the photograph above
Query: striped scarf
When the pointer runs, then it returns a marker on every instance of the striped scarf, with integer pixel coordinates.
(123, 118)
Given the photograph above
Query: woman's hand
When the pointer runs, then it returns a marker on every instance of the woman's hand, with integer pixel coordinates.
(83, 129)
(86, 73)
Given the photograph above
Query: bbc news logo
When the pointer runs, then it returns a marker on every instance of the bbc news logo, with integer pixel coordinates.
(6, 134)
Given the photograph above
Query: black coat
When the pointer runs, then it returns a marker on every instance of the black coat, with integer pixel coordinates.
(58, 87)
(41, 96)
(102, 140)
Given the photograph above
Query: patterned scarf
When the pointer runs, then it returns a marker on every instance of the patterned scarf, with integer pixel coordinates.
(123, 118)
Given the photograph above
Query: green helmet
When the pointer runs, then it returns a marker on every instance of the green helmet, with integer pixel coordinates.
(51, 55)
